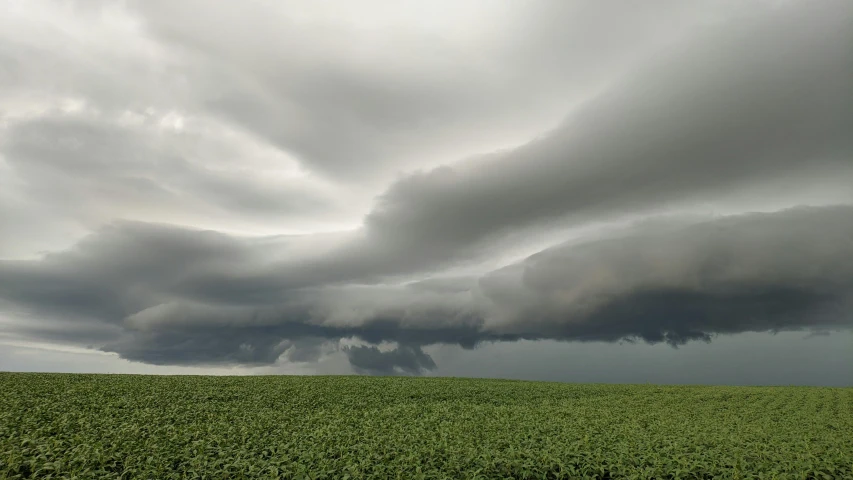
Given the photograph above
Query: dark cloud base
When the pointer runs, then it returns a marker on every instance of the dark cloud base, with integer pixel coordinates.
(683, 282)
(405, 359)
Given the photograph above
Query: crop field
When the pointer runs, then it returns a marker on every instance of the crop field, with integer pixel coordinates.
(161, 427)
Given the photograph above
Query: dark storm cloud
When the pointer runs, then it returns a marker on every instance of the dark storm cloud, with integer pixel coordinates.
(405, 359)
(657, 281)
(93, 278)
(758, 272)
(200, 347)
(736, 111)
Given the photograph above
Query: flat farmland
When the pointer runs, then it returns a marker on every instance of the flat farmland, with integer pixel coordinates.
(353, 427)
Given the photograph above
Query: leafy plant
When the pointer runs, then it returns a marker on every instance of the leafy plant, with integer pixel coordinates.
(182, 427)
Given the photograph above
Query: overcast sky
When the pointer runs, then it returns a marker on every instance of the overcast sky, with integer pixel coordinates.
(574, 190)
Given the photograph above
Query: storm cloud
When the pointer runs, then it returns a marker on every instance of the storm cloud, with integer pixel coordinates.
(669, 281)
(510, 174)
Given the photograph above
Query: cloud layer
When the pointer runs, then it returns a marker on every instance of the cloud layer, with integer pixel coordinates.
(672, 281)
(382, 189)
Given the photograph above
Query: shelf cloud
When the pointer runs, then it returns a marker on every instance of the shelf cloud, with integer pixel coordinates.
(201, 184)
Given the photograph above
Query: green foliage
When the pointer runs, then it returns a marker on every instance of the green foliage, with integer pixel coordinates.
(164, 427)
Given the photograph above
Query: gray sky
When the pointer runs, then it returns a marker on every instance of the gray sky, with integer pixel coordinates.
(573, 190)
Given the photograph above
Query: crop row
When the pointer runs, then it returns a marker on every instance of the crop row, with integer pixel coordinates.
(101, 426)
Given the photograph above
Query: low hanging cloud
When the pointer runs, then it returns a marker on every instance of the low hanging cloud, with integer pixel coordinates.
(403, 359)
(756, 272)
(753, 110)
(671, 281)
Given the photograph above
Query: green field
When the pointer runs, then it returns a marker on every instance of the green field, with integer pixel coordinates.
(159, 427)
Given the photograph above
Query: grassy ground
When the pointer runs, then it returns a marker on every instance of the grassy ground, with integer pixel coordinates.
(100, 426)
